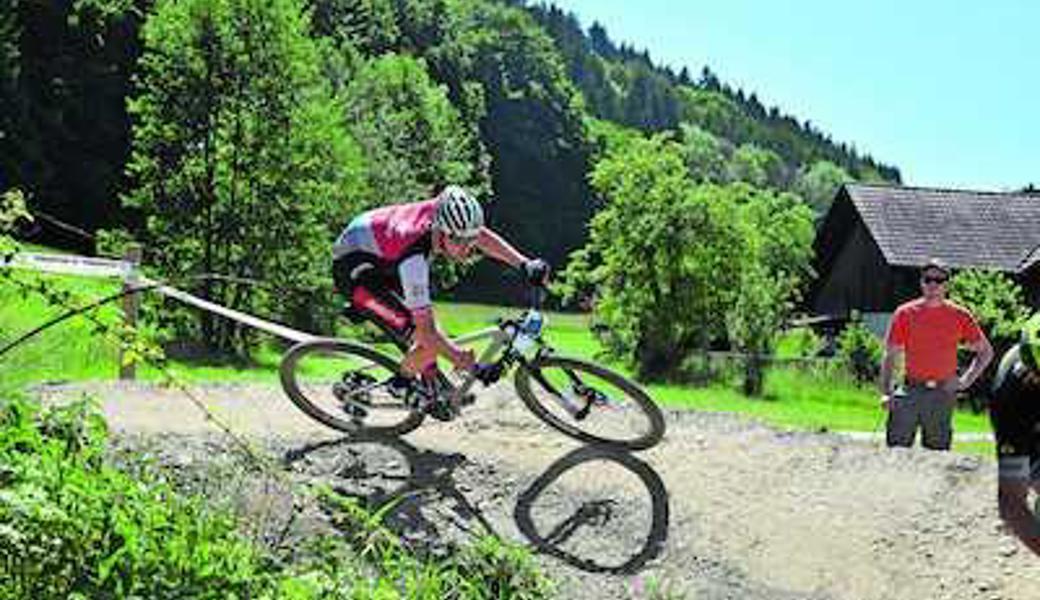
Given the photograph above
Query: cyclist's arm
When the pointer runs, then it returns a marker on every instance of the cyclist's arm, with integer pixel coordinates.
(430, 342)
(491, 244)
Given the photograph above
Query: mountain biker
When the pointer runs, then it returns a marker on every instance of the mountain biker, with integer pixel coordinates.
(382, 265)
(1015, 415)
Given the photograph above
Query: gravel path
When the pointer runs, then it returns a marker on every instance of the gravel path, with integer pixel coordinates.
(721, 509)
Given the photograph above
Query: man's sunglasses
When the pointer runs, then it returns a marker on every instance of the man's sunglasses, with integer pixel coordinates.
(936, 280)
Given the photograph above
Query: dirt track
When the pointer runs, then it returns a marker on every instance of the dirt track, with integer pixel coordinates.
(721, 509)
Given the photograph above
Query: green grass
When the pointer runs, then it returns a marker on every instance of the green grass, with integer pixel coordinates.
(795, 399)
(67, 351)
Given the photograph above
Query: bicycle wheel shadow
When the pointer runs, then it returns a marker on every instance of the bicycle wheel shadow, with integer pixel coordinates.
(606, 514)
(585, 509)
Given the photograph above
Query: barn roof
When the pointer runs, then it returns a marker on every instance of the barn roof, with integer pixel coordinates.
(963, 228)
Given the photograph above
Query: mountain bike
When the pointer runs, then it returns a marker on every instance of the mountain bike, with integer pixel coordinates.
(351, 386)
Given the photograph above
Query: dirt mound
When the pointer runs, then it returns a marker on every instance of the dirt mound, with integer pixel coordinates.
(721, 509)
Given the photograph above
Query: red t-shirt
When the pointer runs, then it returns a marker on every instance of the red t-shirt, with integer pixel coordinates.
(930, 335)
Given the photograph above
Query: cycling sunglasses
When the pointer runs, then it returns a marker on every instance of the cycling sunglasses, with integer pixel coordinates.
(933, 279)
(462, 240)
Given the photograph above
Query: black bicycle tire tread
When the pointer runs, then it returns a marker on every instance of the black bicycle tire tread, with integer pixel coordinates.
(522, 382)
(286, 373)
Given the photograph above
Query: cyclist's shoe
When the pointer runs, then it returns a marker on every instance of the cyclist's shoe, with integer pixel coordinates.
(401, 387)
(441, 409)
(434, 378)
(342, 391)
(435, 399)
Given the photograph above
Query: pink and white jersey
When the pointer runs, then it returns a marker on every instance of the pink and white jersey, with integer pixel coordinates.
(398, 236)
(389, 232)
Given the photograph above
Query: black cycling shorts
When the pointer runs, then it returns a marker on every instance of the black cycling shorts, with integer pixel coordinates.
(373, 291)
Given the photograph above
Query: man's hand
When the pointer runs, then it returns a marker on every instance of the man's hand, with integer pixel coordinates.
(887, 402)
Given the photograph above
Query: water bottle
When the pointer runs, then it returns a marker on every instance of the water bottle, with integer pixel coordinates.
(532, 324)
(530, 329)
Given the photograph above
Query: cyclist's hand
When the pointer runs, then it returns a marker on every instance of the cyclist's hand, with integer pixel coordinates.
(464, 360)
(537, 271)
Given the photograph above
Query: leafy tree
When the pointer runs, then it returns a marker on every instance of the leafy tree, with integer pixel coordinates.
(607, 136)
(12, 210)
(705, 155)
(240, 162)
(10, 102)
(66, 125)
(994, 298)
(368, 25)
(663, 256)
(758, 166)
(754, 321)
(672, 267)
(818, 184)
(998, 304)
(413, 138)
(715, 113)
(778, 239)
(534, 129)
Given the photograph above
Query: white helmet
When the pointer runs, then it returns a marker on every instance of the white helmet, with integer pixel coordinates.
(458, 213)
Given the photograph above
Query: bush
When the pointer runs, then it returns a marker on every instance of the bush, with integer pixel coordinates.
(860, 351)
(73, 527)
(801, 342)
(998, 304)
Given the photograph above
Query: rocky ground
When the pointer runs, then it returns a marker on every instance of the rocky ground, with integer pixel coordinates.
(720, 509)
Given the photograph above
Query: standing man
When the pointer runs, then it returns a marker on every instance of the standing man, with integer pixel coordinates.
(1015, 414)
(927, 331)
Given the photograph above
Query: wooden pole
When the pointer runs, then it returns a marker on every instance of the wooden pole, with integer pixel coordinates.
(131, 305)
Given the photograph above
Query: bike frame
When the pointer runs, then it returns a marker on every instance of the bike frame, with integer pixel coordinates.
(500, 340)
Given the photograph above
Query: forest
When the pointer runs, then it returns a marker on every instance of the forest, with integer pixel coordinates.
(208, 129)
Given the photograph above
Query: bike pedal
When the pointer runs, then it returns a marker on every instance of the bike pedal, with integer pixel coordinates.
(441, 410)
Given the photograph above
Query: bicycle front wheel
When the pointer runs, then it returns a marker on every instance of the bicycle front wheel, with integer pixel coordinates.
(344, 386)
(590, 403)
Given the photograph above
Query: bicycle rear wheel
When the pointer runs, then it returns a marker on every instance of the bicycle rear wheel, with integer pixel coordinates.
(590, 403)
(344, 386)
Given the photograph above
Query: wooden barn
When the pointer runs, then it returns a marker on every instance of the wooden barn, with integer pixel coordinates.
(874, 238)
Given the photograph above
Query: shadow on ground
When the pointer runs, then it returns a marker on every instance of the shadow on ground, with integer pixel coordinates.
(594, 508)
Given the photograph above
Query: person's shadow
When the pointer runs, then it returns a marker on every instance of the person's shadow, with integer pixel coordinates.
(597, 528)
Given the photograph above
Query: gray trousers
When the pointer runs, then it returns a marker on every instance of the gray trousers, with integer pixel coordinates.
(929, 408)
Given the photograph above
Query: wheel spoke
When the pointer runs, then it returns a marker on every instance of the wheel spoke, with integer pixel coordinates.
(590, 403)
(344, 386)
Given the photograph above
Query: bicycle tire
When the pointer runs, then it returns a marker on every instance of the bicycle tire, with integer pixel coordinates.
(293, 383)
(637, 402)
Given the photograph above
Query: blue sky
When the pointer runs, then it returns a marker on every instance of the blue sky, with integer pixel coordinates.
(948, 92)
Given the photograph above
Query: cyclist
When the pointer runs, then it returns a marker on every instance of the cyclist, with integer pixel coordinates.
(1015, 414)
(382, 265)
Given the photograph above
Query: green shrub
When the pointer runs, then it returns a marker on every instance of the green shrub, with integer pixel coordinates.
(801, 342)
(999, 305)
(860, 351)
(73, 527)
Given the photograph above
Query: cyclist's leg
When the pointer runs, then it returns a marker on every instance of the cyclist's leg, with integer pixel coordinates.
(359, 278)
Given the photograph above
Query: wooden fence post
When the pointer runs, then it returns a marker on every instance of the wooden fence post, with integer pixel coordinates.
(131, 304)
